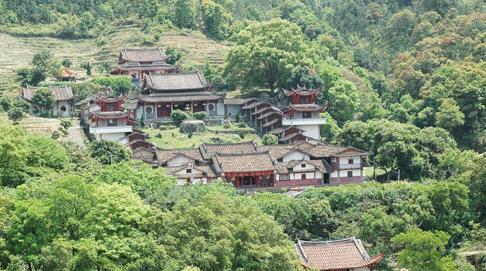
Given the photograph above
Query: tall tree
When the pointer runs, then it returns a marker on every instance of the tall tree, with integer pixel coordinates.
(184, 13)
(421, 250)
(266, 55)
(43, 100)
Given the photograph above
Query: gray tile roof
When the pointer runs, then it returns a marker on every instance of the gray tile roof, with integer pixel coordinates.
(143, 54)
(177, 81)
(60, 93)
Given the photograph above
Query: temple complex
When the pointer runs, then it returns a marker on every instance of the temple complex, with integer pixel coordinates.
(108, 120)
(63, 100)
(248, 165)
(138, 62)
(164, 93)
(303, 112)
(337, 255)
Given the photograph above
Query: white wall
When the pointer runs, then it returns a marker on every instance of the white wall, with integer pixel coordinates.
(56, 111)
(220, 108)
(311, 131)
(142, 154)
(111, 137)
(308, 175)
(296, 155)
(344, 173)
(233, 110)
(307, 167)
(179, 161)
(343, 160)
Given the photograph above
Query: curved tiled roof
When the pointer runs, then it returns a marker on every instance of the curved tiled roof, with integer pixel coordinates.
(209, 150)
(143, 54)
(246, 162)
(60, 93)
(335, 255)
(177, 81)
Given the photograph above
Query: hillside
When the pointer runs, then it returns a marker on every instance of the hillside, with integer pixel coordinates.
(196, 50)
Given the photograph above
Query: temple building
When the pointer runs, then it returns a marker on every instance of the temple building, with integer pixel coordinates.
(164, 93)
(300, 121)
(303, 112)
(338, 255)
(109, 121)
(138, 62)
(63, 100)
(248, 165)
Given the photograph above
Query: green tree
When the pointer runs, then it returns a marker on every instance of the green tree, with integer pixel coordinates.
(331, 129)
(184, 13)
(422, 250)
(43, 100)
(215, 19)
(397, 146)
(269, 139)
(219, 232)
(344, 101)
(15, 114)
(118, 84)
(266, 55)
(449, 115)
(109, 152)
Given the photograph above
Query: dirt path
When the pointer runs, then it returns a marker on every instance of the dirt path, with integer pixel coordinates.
(76, 134)
(46, 126)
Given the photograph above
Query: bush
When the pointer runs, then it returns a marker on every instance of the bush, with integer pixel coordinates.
(66, 123)
(178, 116)
(269, 139)
(15, 114)
(119, 84)
(109, 152)
(242, 125)
(200, 115)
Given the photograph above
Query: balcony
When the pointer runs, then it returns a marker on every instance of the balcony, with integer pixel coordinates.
(302, 121)
(110, 129)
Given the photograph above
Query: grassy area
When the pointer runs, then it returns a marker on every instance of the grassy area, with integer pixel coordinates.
(368, 172)
(196, 50)
(233, 128)
(172, 138)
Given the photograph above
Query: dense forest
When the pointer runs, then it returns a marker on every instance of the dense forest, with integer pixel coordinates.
(404, 80)
(65, 208)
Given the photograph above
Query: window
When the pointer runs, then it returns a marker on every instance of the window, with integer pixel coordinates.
(303, 176)
(350, 174)
(284, 177)
(188, 170)
(280, 159)
(302, 165)
(211, 107)
(63, 108)
(110, 107)
(112, 123)
(304, 100)
(148, 110)
(307, 115)
(350, 161)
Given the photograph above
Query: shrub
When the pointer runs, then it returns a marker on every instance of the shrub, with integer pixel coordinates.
(269, 139)
(66, 123)
(109, 152)
(178, 116)
(200, 115)
(242, 125)
(119, 84)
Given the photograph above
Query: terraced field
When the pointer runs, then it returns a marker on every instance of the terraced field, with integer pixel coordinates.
(16, 52)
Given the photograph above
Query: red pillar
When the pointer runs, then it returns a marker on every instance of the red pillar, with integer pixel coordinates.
(257, 181)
